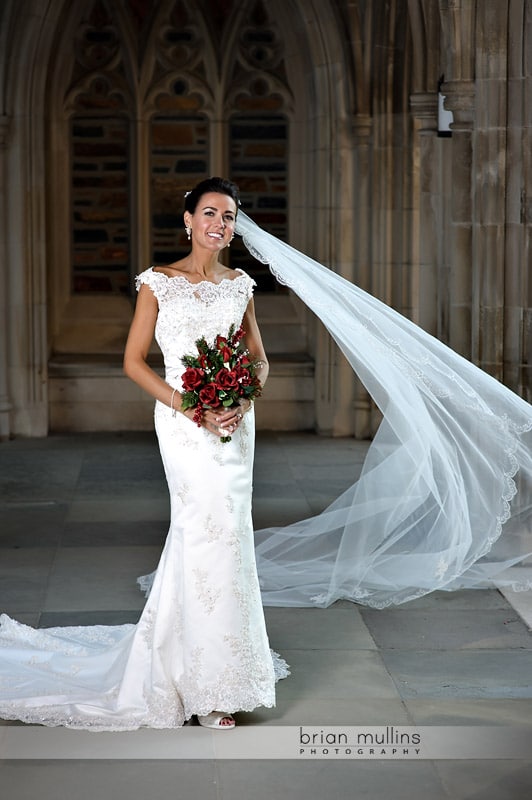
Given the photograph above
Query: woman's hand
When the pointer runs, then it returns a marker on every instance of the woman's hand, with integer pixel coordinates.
(226, 421)
(222, 422)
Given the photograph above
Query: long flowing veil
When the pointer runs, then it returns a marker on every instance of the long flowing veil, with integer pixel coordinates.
(444, 500)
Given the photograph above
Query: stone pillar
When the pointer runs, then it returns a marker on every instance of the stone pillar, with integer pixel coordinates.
(363, 407)
(335, 385)
(5, 403)
(517, 355)
(490, 174)
(460, 99)
(428, 220)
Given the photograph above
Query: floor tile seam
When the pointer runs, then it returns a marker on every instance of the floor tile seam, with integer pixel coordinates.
(68, 548)
(55, 561)
(327, 649)
(71, 499)
(522, 609)
(375, 612)
(483, 650)
(449, 794)
(40, 590)
(404, 705)
(87, 612)
(281, 441)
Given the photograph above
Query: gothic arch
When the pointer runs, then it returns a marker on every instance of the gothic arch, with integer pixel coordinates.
(142, 80)
(36, 65)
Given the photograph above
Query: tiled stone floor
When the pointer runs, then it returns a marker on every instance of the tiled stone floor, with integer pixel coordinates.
(82, 516)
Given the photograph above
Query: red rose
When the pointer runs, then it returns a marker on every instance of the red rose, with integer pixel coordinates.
(238, 336)
(204, 361)
(192, 378)
(209, 396)
(243, 376)
(223, 348)
(226, 379)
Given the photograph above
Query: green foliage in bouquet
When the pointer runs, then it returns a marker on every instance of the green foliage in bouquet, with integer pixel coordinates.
(219, 375)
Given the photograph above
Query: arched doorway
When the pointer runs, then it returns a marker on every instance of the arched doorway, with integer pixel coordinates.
(144, 103)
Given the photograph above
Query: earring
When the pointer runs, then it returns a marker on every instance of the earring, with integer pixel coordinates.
(230, 240)
(188, 230)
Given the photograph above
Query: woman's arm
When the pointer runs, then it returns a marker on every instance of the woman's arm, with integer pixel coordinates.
(253, 342)
(137, 348)
(136, 367)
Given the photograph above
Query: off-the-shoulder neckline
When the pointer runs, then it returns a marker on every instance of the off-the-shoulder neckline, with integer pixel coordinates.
(199, 283)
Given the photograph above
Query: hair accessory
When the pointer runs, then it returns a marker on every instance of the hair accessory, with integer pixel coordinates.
(186, 194)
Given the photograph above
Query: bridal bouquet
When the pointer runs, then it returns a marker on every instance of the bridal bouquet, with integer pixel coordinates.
(219, 376)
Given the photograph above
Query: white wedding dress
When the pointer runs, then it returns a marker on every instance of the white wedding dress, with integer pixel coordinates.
(200, 644)
(443, 502)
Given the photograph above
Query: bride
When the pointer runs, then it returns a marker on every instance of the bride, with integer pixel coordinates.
(444, 500)
(200, 647)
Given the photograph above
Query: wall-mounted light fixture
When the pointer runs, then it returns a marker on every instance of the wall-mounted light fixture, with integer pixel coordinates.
(445, 118)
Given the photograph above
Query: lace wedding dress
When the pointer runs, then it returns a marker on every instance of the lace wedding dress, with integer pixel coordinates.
(443, 502)
(201, 642)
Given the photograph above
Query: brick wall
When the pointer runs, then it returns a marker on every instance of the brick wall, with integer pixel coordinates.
(100, 205)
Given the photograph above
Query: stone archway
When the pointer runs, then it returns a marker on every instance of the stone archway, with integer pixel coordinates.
(88, 333)
(325, 168)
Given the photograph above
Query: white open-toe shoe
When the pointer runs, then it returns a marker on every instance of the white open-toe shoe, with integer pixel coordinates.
(214, 720)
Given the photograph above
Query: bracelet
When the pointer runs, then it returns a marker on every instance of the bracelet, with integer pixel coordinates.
(174, 411)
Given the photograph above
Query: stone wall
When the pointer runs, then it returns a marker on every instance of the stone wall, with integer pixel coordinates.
(100, 205)
(349, 167)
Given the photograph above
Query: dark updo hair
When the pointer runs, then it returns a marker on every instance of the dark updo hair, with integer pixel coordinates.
(220, 185)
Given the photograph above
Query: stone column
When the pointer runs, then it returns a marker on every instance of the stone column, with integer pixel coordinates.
(491, 173)
(339, 228)
(5, 403)
(428, 220)
(517, 356)
(460, 99)
(363, 407)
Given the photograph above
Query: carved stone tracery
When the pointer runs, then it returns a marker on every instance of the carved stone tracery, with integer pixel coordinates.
(98, 82)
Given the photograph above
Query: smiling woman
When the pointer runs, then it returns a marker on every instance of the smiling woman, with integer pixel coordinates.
(200, 647)
(213, 222)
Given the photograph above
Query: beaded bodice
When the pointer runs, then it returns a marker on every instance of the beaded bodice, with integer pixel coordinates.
(188, 311)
